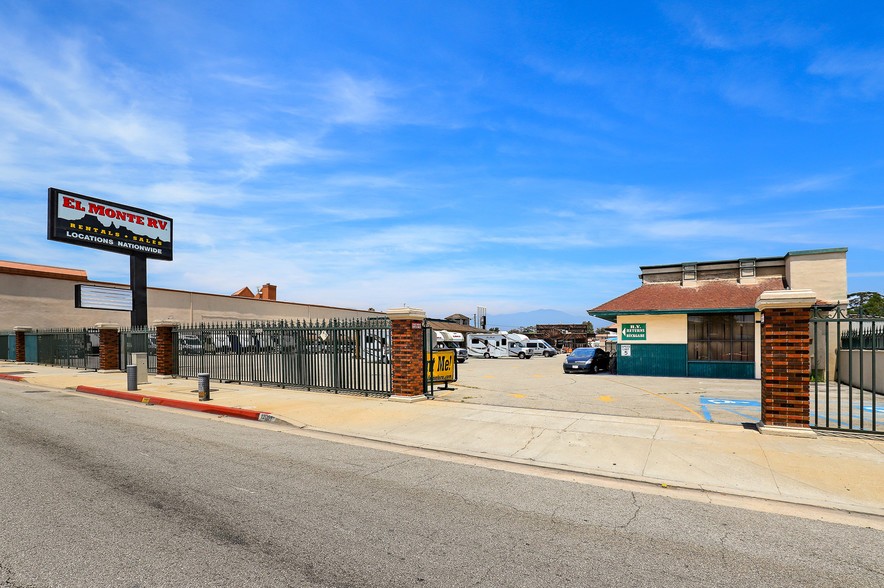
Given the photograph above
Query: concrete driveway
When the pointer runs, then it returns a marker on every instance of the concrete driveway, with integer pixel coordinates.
(540, 383)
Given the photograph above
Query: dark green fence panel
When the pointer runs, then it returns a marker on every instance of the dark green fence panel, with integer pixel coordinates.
(7, 346)
(337, 355)
(75, 348)
(847, 387)
(653, 359)
(31, 348)
(739, 370)
(138, 340)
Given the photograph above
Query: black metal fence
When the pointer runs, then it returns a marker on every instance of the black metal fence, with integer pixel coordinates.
(847, 372)
(76, 348)
(337, 355)
(864, 336)
(138, 340)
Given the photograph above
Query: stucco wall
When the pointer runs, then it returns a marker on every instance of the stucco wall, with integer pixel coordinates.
(661, 328)
(860, 369)
(44, 303)
(825, 273)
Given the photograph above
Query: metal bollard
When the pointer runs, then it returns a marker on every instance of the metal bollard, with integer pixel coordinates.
(131, 377)
(203, 386)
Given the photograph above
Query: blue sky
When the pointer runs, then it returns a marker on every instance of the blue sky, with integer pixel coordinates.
(514, 155)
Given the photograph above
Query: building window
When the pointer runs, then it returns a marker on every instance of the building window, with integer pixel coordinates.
(689, 272)
(721, 337)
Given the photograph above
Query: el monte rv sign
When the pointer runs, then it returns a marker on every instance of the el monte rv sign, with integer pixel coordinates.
(91, 222)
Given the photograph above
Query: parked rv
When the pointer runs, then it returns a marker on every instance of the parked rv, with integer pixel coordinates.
(446, 340)
(374, 347)
(495, 345)
(541, 347)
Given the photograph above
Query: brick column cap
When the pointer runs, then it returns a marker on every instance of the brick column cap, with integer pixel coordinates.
(107, 326)
(166, 323)
(22, 329)
(406, 313)
(786, 299)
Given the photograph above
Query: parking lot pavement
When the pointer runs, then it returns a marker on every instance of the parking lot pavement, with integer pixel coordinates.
(540, 383)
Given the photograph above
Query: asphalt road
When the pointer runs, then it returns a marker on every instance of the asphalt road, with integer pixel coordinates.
(98, 492)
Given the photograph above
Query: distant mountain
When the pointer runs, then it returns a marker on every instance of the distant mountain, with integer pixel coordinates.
(545, 316)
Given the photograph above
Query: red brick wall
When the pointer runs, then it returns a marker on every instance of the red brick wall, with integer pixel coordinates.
(166, 355)
(109, 349)
(20, 346)
(408, 357)
(785, 367)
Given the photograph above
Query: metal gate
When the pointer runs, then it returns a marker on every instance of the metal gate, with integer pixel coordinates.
(336, 355)
(138, 340)
(76, 348)
(847, 371)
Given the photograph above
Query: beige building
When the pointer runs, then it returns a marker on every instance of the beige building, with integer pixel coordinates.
(698, 319)
(42, 297)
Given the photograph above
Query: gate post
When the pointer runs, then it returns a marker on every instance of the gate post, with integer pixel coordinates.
(407, 353)
(167, 355)
(108, 347)
(20, 343)
(785, 361)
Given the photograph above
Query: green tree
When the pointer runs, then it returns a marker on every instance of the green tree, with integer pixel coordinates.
(869, 303)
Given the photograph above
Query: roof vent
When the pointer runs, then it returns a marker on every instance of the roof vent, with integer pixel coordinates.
(689, 274)
(747, 271)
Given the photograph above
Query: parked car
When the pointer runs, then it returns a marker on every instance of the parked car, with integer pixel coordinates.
(586, 359)
(541, 347)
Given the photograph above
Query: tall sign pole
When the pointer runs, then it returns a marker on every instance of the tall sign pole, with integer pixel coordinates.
(110, 226)
(138, 284)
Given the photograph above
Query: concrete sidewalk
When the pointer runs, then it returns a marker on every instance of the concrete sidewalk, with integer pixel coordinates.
(831, 472)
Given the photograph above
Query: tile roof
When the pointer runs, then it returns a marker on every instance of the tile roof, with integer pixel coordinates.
(706, 295)
(454, 327)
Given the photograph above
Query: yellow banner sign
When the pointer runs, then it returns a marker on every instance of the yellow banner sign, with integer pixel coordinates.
(440, 366)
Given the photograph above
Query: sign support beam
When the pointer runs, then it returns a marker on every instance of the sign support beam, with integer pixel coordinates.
(138, 284)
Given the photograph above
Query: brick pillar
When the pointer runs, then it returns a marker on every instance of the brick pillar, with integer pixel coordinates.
(108, 347)
(785, 361)
(20, 343)
(167, 355)
(407, 353)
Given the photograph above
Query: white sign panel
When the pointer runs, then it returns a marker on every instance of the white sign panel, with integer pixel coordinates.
(102, 298)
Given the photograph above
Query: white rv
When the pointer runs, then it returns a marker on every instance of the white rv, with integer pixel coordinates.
(373, 346)
(501, 344)
(447, 340)
(541, 347)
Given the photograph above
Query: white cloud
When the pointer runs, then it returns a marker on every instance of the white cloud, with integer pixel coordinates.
(354, 101)
(252, 154)
(813, 183)
(729, 28)
(861, 72)
(57, 99)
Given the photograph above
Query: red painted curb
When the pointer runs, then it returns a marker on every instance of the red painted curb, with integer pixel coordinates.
(242, 413)
(12, 378)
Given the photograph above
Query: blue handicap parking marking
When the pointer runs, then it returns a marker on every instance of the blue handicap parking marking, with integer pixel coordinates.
(729, 405)
(730, 402)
